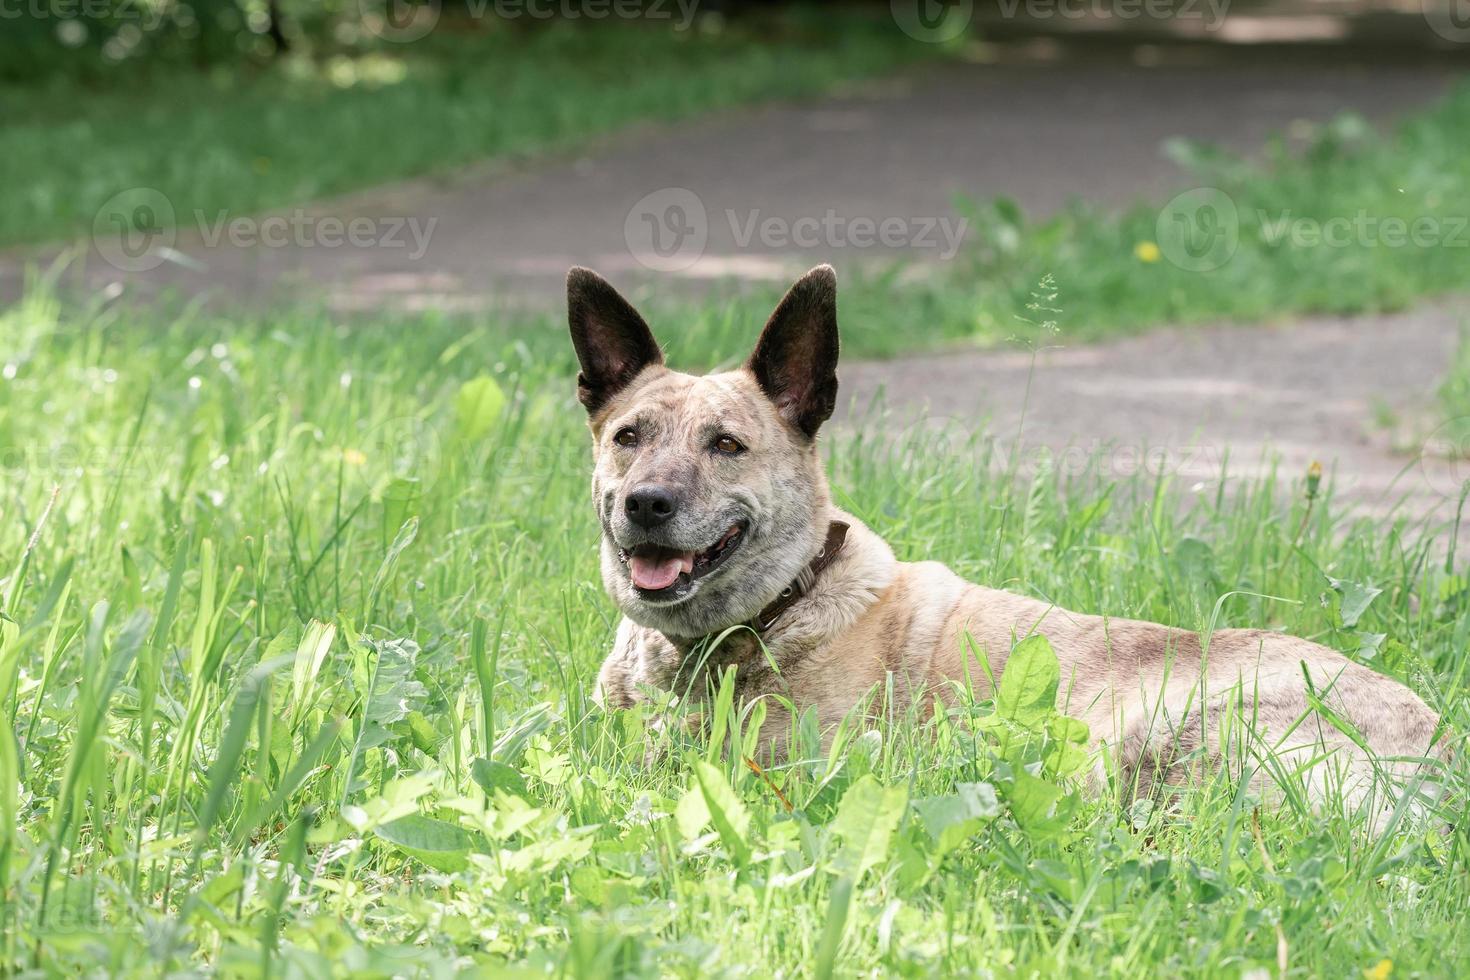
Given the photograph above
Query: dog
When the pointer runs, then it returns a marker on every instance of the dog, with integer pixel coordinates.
(717, 522)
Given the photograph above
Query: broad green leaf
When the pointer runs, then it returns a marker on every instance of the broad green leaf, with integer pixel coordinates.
(1356, 598)
(1066, 753)
(1028, 684)
(1196, 561)
(399, 799)
(394, 690)
(691, 815)
(311, 653)
(951, 818)
(866, 818)
(477, 406)
(729, 815)
(491, 776)
(221, 886)
(1032, 799)
(1369, 644)
(436, 843)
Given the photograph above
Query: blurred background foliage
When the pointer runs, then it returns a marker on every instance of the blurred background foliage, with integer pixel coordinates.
(95, 38)
(99, 40)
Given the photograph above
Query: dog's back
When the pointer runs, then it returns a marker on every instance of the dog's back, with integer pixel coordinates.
(1164, 704)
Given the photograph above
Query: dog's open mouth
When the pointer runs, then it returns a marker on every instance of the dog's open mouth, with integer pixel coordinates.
(663, 573)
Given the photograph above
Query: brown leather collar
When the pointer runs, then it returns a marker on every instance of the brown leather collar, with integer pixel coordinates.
(836, 538)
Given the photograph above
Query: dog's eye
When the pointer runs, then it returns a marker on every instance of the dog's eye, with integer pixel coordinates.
(626, 437)
(729, 445)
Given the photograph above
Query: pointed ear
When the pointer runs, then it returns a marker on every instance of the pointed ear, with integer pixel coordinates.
(795, 361)
(613, 343)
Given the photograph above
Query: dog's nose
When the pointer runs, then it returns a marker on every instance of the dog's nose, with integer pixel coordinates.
(651, 505)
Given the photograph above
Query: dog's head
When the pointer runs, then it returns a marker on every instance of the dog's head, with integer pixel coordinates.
(709, 488)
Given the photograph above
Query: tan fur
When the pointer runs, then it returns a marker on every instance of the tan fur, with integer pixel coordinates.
(1156, 699)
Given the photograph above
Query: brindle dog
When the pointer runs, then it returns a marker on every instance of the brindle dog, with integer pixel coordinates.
(715, 514)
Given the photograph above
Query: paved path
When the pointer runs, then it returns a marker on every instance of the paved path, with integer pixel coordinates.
(1178, 401)
(901, 149)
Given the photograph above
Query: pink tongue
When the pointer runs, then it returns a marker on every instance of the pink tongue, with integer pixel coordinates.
(658, 573)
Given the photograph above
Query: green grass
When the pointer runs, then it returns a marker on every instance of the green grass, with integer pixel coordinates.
(204, 777)
(303, 130)
(1454, 401)
(1117, 271)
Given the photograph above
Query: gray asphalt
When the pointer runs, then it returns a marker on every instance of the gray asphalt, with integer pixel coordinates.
(902, 150)
(1205, 404)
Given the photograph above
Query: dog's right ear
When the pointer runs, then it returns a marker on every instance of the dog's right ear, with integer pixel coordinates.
(613, 343)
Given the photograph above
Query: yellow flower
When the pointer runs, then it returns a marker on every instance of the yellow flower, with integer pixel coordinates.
(353, 457)
(1314, 480)
(1146, 252)
(1379, 970)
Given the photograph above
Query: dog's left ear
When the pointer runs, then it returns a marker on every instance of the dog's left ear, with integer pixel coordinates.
(795, 360)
